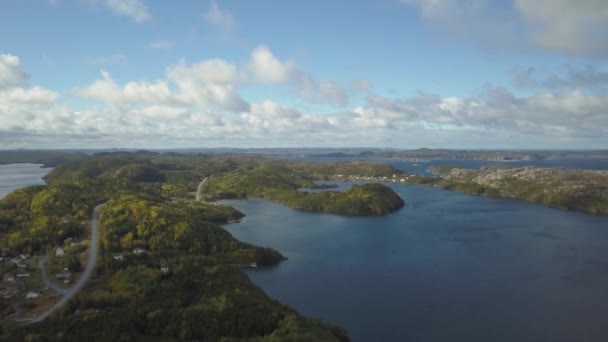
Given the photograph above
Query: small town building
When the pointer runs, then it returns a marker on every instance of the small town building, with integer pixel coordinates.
(64, 274)
(18, 259)
(59, 251)
(32, 295)
(8, 277)
(10, 292)
(139, 251)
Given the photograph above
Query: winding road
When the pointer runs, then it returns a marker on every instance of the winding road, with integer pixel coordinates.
(199, 188)
(45, 277)
(69, 293)
(84, 277)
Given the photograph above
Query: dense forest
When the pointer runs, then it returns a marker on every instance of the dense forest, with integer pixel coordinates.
(580, 190)
(166, 270)
(280, 183)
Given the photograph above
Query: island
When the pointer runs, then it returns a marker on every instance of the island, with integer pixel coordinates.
(116, 246)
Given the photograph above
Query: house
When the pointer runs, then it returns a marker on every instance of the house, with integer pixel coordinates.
(23, 275)
(59, 251)
(164, 269)
(32, 295)
(10, 292)
(8, 277)
(21, 265)
(139, 251)
(254, 265)
(18, 259)
(118, 257)
(64, 274)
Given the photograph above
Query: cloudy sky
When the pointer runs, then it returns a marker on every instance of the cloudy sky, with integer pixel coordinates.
(315, 73)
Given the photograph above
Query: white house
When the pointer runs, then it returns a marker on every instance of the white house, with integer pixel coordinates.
(139, 251)
(8, 277)
(18, 259)
(118, 257)
(65, 274)
(32, 295)
(59, 251)
(164, 268)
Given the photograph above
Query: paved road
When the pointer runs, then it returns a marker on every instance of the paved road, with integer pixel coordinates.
(199, 188)
(86, 274)
(45, 277)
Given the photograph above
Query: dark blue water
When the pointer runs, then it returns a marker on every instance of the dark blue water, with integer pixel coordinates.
(448, 267)
(15, 176)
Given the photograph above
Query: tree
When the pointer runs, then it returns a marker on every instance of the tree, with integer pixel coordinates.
(74, 264)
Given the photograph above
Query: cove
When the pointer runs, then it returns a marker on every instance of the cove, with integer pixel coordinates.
(447, 267)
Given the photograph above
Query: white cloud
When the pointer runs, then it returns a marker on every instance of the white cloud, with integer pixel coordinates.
(160, 44)
(219, 18)
(321, 91)
(200, 102)
(564, 26)
(22, 106)
(216, 70)
(266, 68)
(553, 115)
(207, 84)
(476, 20)
(210, 82)
(589, 77)
(11, 74)
(136, 10)
(574, 27)
(34, 96)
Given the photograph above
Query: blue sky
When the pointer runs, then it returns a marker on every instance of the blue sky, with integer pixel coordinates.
(386, 73)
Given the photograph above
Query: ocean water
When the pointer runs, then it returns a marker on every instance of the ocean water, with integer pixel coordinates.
(15, 176)
(447, 267)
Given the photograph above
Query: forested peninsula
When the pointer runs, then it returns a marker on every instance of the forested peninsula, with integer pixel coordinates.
(579, 190)
(280, 183)
(165, 269)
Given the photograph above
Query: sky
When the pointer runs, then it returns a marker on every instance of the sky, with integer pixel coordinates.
(472, 74)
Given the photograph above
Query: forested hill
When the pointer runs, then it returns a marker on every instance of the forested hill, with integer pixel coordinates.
(581, 190)
(150, 220)
(280, 183)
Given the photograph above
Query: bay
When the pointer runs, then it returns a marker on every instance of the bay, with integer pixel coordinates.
(16, 176)
(447, 267)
